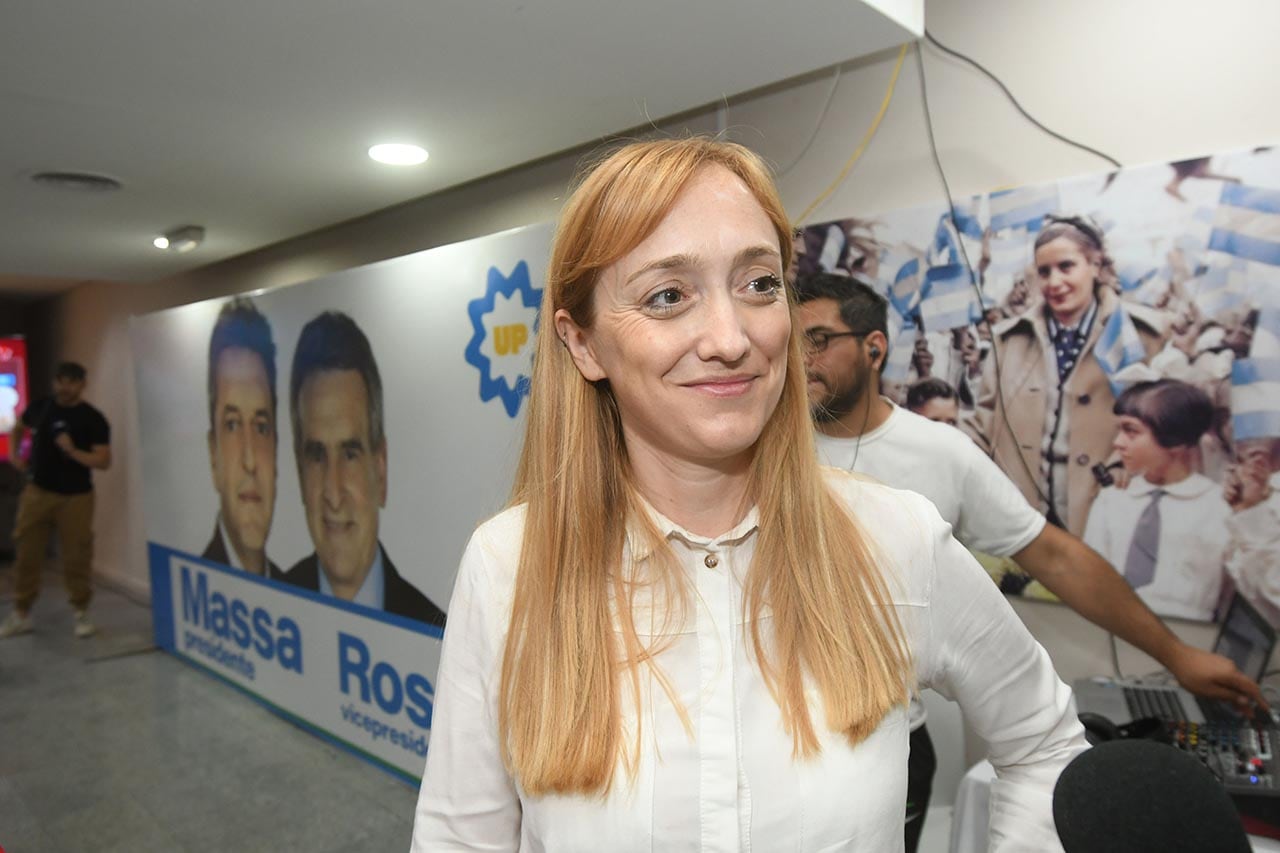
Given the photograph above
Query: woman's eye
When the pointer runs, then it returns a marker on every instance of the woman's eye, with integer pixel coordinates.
(666, 299)
(765, 284)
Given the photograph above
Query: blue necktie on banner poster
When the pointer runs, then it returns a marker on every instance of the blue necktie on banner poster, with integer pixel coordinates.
(1144, 548)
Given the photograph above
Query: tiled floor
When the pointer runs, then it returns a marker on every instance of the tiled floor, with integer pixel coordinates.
(106, 747)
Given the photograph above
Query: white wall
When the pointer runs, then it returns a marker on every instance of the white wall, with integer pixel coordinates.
(1144, 80)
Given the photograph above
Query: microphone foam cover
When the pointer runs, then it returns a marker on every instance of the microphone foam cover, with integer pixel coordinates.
(1133, 796)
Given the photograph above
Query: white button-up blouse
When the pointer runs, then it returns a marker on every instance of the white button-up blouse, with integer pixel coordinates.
(734, 786)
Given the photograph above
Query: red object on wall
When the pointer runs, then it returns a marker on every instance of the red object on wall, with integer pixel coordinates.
(13, 389)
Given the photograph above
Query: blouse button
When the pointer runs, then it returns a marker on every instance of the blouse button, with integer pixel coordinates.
(711, 561)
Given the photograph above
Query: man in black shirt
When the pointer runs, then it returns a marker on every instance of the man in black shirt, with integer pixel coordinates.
(70, 438)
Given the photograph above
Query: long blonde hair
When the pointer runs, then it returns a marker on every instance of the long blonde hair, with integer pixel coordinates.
(565, 669)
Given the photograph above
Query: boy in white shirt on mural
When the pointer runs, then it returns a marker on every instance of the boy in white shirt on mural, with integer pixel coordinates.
(1167, 531)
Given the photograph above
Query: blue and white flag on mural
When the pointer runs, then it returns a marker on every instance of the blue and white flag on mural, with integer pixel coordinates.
(1010, 253)
(902, 342)
(1025, 207)
(1119, 347)
(1011, 259)
(1247, 224)
(947, 246)
(1220, 288)
(950, 299)
(1255, 398)
(1194, 240)
(965, 220)
(905, 291)
(1144, 284)
(1134, 275)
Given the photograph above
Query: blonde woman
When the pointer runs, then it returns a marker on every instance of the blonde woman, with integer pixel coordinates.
(684, 634)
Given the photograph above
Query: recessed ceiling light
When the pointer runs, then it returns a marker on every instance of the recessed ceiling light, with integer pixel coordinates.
(398, 154)
(181, 239)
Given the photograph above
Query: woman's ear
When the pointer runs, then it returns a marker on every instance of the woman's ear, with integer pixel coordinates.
(577, 341)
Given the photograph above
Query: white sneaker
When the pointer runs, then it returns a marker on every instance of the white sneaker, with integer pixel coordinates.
(84, 627)
(14, 624)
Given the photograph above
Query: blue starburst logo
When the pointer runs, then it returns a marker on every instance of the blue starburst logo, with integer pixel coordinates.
(504, 322)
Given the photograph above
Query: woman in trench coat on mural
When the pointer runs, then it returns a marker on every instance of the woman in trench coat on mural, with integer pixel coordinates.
(1044, 409)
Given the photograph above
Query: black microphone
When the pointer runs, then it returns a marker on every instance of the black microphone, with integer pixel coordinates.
(1134, 796)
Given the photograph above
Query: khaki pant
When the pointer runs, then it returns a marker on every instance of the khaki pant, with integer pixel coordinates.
(39, 512)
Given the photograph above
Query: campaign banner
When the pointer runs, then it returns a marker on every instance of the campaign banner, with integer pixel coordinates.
(356, 676)
(314, 460)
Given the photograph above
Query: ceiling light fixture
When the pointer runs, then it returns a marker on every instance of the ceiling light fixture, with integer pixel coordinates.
(181, 239)
(398, 154)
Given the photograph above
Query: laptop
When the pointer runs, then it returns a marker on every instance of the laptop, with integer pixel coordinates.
(1245, 637)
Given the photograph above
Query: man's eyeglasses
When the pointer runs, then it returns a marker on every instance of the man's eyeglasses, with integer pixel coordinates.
(817, 340)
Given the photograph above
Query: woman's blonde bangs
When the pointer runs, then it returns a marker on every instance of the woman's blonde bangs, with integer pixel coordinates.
(620, 200)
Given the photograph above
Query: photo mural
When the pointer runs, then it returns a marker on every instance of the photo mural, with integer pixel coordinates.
(1113, 343)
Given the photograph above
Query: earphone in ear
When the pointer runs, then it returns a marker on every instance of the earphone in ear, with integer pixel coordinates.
(875, 352)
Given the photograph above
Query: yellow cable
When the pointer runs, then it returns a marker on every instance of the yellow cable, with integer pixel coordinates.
(871, 132)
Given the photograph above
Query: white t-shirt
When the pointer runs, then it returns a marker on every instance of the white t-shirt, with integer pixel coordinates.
(983, 506)
(1192, 550)
(734, 785)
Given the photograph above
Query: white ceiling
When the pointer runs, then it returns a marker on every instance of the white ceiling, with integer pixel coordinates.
(252, 117)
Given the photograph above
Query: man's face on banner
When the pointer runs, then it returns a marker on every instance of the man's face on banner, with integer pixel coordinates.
(242, 447)
(344, 477)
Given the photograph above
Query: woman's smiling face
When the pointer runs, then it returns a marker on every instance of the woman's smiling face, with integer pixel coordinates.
(691, 327)
(1067, 275)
